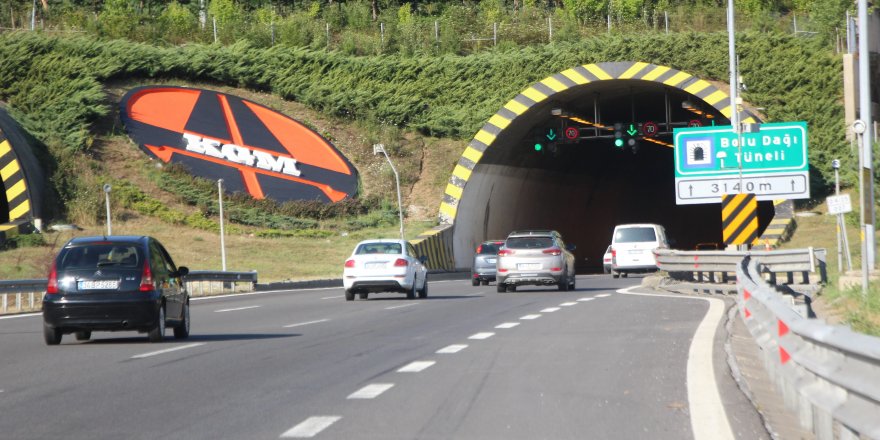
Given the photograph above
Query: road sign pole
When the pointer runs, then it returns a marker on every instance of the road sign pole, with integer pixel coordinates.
(867, 145)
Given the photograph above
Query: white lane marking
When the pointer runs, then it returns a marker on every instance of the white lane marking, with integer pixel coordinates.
(507, 325)
(24, 315)
(167, 350)
(484, 335)
(236, 309)
(332, 297)
(300, 324)
(530, 317)
(450, 349)
(550, 310)
(603, 295)
(416, 367)
(400, 307)
(585, 299)
(568, 304)
(310, 427)
(708, 417)
(371, 391)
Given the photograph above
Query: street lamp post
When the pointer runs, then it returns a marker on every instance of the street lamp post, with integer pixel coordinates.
(107, 189)
(380, 148)
(222, 243)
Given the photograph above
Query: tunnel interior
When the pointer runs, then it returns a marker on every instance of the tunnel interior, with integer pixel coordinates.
(585, 186)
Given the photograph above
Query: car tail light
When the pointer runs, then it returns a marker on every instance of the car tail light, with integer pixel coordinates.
(52, 286)
(556, 269)
(480, 249)
(505, 252)
(147, 278)
(349, 263)
(553, 251)
(502, 270)
(400, 263)
(613, 255)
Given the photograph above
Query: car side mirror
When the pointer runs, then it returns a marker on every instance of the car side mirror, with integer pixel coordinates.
(182, 271)
(423, 259)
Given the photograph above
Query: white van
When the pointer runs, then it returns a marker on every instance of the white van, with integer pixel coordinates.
(632, 248)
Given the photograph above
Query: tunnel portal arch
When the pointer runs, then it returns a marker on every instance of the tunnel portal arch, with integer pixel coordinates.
(460, 233)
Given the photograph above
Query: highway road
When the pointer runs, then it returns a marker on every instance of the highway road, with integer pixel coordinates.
(608, 361)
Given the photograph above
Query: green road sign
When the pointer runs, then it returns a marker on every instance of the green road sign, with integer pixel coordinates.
(712, 161)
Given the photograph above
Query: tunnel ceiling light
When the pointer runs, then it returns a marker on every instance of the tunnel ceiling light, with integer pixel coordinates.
(556, 112)
(658, 142)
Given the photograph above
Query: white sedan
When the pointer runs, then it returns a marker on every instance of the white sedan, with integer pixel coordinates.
(385, 265)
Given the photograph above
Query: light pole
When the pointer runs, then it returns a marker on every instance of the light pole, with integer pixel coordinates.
(380, 148)
(222, 243)
(107, 189)
(866, 169)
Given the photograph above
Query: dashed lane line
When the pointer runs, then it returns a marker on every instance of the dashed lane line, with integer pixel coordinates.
(603, 295)
(332, 297)
(167, 350)
(371, 391)
(300, 324)
(585, 299)
(400, 307)
(451, 349)
(311, 427)
(550, 310)
(483, 335)
(415, 367)
(568, 304)
(236, 309)
(507, 325)
(529, 317)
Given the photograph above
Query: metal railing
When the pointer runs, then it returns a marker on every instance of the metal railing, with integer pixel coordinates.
(17, 296)
(720, 266)
(829, 375)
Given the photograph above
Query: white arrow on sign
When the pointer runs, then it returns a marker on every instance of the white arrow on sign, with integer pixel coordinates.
(690, 191)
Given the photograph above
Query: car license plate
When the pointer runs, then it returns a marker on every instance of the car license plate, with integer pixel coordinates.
(527, 275)
(99, 285)
(635, 251)
(374, 265)
(491, 260)
(528, 266)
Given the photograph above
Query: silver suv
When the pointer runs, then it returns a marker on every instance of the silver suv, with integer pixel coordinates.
(535, 257)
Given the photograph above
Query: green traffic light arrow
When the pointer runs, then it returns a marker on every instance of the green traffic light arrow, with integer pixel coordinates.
(551, 134)
(632, 130)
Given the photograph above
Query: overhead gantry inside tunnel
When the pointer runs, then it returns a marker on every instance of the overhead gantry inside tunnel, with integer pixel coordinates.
(580, 152)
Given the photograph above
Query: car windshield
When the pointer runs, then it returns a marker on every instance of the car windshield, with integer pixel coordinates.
(634, 235)
(378, 248)
(529, 242)
(488, 248)
(93, 256)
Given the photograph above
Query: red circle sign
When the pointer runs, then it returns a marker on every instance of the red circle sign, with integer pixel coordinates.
(572, 133)
(695, 123)
(650, 129)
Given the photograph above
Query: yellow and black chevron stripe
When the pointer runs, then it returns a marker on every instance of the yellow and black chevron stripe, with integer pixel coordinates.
(739, 218)
(14, 185)
(781, 227)
(560, 82)
(436, 244)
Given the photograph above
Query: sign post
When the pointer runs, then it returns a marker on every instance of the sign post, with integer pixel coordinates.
(713, 161)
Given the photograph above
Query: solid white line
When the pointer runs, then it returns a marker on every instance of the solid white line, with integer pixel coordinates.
(454, 348)
(332, 297)
(416, 367)
(236, 309)
(310, 427)
(167, 350)
(371, 391)
(568, 304)
(300, 324)
(24, 315)
(400, 307)
(585, 299)
(550, 310)
(708, 417)
(603, 295)
(507, 325)
(484, 335)
(530, 317)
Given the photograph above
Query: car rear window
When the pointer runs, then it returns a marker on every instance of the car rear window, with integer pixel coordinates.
(378, 248)
(634, 235)
(529, 242)
(94, 256)
(488, 248)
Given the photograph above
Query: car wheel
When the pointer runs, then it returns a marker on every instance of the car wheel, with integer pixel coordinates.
(364, 295)
(475, 282)
(501, 288)
(485, 282)
(84, 335)
(424, 292)
(157, 333)
(511, 288)
(411, 293)
(563, 283)
(573, 282)
(624, 274)
(182, 329)
(615, 274)
(607, 270)
(51, 335)
(349, 295)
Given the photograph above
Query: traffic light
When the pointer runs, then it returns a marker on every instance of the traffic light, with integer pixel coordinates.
(539, 147)
(618, 135)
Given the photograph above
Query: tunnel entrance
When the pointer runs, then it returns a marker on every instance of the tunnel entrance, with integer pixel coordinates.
(534, 173)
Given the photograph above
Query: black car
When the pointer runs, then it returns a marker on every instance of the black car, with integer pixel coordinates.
(115, 283)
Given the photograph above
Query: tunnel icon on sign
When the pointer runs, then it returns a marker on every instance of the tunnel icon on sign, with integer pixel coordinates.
(699, 154)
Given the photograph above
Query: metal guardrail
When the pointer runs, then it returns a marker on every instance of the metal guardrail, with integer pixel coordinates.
(828, 374)
(18, 296)
(700, 265)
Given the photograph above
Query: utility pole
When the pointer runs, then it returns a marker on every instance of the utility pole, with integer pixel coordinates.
(866, 170)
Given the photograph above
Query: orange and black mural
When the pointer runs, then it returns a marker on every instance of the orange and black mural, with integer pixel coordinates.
(254, 149)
